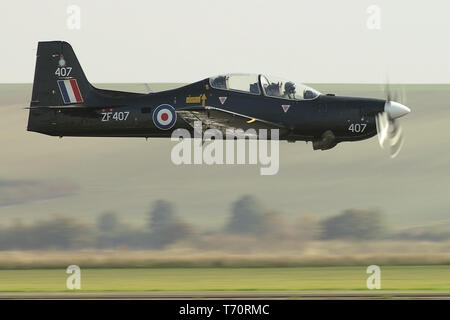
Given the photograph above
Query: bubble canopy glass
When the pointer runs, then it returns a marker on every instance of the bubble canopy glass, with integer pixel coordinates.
(271, 86)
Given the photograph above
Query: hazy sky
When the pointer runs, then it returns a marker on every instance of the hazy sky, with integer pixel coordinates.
(180, 41)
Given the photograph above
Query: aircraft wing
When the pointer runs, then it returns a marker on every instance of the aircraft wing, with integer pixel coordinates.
(222, 120)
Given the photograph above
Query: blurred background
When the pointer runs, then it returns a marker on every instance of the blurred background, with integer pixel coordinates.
(349, 205)
(121, 202)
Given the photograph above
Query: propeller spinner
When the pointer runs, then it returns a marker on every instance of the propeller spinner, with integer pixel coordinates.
(388, 127)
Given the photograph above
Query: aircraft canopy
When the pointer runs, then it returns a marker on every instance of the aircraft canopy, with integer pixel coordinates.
(271, 86)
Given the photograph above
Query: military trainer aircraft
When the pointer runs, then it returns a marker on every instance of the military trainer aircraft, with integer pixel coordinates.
(64, 103)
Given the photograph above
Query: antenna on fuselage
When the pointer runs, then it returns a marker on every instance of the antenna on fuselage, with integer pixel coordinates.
(147, 87)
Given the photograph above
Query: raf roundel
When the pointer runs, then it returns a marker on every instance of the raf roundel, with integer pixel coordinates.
(164, 117)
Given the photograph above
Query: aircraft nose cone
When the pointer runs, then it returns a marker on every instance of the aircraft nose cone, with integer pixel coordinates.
(395, 109)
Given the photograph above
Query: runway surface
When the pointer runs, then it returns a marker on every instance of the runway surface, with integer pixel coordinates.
(225, 295)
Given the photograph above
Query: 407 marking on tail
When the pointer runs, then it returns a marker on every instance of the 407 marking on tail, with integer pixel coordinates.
(63, 71)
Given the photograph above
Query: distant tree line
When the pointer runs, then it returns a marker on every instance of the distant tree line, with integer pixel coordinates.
(248, 221)
(62, 232)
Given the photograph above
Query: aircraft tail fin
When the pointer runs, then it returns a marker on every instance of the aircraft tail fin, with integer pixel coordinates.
(59, 79)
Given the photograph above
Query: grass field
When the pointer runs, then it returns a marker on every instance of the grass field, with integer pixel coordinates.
(393, 278)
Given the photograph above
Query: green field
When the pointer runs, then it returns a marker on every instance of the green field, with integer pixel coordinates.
(393, 278)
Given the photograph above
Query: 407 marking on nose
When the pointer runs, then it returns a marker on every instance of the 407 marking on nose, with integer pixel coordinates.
(357, 127)
(115, 116)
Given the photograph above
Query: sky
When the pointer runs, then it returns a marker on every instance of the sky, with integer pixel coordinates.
(324, 41)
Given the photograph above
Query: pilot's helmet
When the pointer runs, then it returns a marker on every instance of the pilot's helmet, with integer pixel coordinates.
(289, 87)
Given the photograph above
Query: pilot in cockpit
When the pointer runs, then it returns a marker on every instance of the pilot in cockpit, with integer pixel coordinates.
(289, 90)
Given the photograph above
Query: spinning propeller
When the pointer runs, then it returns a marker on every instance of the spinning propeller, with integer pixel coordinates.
(388, 127)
